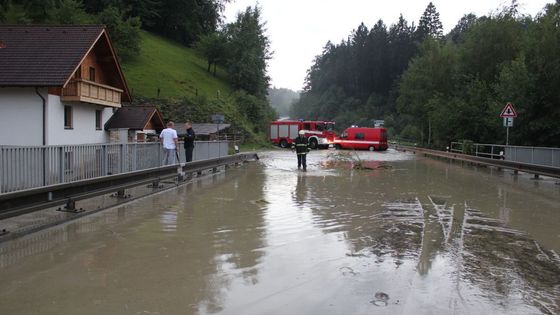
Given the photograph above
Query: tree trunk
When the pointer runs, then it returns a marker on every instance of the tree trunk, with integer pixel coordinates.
(209, 64)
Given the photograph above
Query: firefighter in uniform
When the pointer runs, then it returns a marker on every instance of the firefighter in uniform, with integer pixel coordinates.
(301, 146)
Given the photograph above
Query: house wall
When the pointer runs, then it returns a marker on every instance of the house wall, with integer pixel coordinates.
(150, 125)
(91, 61)
(83, 123)
(21, 116)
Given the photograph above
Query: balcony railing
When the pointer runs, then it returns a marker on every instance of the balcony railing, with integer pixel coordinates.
(80, 90)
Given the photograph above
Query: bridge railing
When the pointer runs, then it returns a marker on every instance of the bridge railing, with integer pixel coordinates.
(35, 166)
(530, 155)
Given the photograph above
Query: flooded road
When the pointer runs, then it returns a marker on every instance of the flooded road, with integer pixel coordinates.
(373, 233)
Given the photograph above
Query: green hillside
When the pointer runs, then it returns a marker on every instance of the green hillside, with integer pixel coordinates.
(175, 69)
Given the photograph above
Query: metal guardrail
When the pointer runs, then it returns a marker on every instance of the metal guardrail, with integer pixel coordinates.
(492, 151)
(516, 166)
(28, 167)
(530, 155)
(21, 202)
(534, 155)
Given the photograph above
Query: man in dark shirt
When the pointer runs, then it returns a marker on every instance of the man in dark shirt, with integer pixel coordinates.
(301, 145)
(189, 141)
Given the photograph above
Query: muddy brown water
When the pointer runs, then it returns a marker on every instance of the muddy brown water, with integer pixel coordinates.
(402, 235)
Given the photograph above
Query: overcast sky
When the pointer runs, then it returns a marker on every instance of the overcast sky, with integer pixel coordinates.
(299, 29)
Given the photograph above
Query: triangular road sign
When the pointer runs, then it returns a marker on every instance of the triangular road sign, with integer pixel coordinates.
(508, 111)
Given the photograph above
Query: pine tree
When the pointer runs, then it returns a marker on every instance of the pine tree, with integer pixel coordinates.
(401, 47)
(457, 34)
(249, 50)
(430, 24)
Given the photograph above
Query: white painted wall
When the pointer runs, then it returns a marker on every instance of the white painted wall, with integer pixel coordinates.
(21, 116)
(21, 119)
(83, 123)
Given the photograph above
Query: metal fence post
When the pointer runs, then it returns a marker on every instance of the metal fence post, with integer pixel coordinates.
(159, 156)
(2, 188)
(121, 153)
(44, 166)
(104, 160)
(61, 165)
(135, 157)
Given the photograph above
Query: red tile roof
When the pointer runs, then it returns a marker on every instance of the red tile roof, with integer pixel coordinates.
(43, 55)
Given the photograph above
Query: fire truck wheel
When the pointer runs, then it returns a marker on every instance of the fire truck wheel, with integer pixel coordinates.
(283, 143)
(372, 148)
(313, 144)
(337, 146)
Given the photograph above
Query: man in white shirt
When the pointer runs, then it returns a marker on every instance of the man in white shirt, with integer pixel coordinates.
(168, 137)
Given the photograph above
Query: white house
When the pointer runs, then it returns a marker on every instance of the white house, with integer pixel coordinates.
(58, 84)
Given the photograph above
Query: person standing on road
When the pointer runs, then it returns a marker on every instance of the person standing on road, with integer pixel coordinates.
(301, 146)
(168, 138)
(189, 141)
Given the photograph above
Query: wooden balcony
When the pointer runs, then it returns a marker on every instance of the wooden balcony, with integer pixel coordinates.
(80, 90)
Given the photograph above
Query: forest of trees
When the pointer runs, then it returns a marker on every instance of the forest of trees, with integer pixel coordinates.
(182, 20)
(435, 88)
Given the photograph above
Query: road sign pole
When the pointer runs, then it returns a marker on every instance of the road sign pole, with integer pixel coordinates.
(508, 113)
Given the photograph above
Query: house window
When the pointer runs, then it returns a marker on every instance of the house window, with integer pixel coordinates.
(98, 119)
(92, 74)
(67, 117)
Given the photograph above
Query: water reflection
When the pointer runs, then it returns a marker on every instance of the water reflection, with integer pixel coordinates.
(300, 194)
(173, 253)
(395, 217)
(168, 220)
(508, 263)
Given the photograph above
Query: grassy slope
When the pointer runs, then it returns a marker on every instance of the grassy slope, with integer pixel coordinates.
(175, 69)
(180, 71)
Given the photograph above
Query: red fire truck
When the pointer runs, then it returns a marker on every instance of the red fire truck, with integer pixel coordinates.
(362, 138)
(319, 133)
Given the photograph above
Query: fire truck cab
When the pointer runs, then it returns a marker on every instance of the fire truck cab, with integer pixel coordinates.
(361, 138)
(319, 133)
